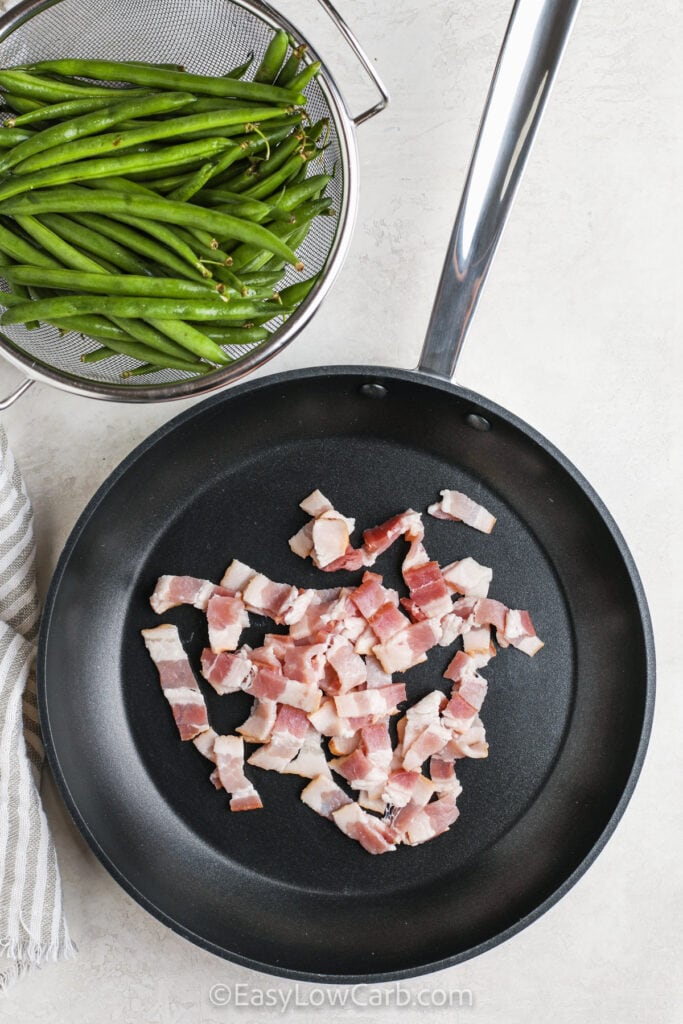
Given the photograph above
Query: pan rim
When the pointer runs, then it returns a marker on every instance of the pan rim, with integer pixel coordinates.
(375, 375)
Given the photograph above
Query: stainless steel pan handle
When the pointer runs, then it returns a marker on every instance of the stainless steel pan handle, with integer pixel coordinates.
(531, 53)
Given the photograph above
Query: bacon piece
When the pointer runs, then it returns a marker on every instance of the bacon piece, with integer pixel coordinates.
(177, 680)
(470, 744)
(227, 617)
(352, 560)
(456, 505)
(359, 770)
(324, 796)
(490, 613)
(468, 577)
(328, 722)
(379, 538)
(279, 601)
(429, 594)
(477, 644)
(371, 800)
(348, 666)
(237, 576)
(424, 733)
(468, 684)
(399, 787)
(285, 741)
(302, 541)
(365, 642)
(408, 647)
(387, 621)
(326, 538)
(376, 676)
(371, 833)
(443, 776)
(226, 672)
(229, 751)
(340, 746)
(371, 595)
(422, 791)
(275, 686)
(381, 701)
(310, 762)
(305, 662)
(172, 591)
(519, 632)
(257, 728)
(432, 820)
(204, 742)
(458, 715)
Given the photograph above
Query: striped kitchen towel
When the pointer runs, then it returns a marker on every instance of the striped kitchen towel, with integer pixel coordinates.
(32, 925)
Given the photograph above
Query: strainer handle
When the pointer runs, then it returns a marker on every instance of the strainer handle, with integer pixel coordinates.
(364, 60)
(531, 53)
(17, 393)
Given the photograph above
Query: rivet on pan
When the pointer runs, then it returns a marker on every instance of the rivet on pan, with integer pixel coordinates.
(373, 390)
(477, 421)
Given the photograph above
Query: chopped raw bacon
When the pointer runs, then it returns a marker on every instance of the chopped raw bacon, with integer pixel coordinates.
(285, 742)
(324, 796)
(478, 645)
(259, 725)
(227, 672)
(519, 632)
(275, 686)
(370, 832)
(227, 617)
(468, 577)
(177, 680)
(381, 701)
(172, 591)
(408, 647)
(379, 538)
(432, 820)
(323, 689)
(310, 762)
(443, 776)
(456, 505)
(229, 753)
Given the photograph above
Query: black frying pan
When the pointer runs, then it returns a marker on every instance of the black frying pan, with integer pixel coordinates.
(281, 889)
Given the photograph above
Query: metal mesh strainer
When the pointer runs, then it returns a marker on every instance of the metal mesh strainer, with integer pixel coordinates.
(206, 37)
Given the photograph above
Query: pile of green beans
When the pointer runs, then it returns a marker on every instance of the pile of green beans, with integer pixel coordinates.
(154, 210)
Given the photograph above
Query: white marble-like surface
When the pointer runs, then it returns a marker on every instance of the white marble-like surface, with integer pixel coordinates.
(579, 332)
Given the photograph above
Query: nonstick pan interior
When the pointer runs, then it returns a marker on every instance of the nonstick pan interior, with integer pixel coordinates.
(281, 889)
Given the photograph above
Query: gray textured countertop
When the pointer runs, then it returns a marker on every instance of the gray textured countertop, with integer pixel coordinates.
(578, 333)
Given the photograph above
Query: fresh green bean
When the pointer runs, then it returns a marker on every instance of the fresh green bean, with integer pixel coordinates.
(125, 307)
(110, 284)
(98, 354)
(291, 66)
(68, 200)
(153, 131)
(259, 171)
(93, 327)
(241, 69)
(95, 243)
(193, 184)
(139, 243)
(136, 350)
(12, 136)
(236, 335)
(19, 249)
(148, 333)
(273, 58)
(49, 90)
(294, 195)
(20, 104)
(300, 81)
(296, 293)
(66, 109)
(97, 121)
(105, 168)
(153, 78)
(269, 185)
